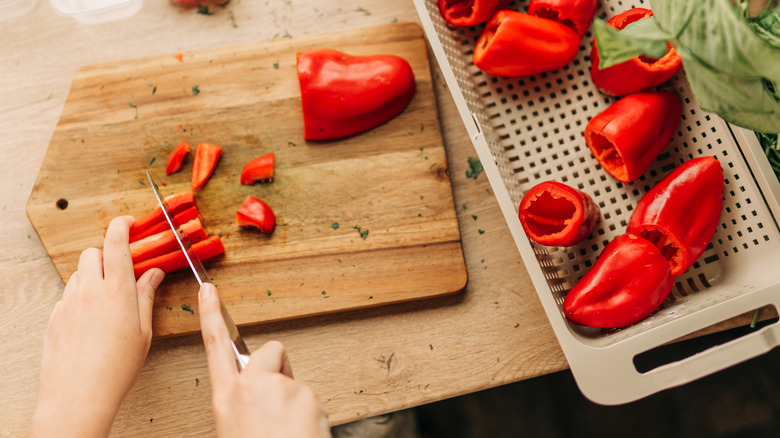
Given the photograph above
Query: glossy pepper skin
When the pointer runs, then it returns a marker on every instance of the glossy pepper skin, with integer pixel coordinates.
(165, 241)
(258, 169)
(182, 217)
(638, 73)
(177, 203)
(203, 165)
(256, 213)
(515, 44)
(469, 12)
(173, 164)
(175, 260)
(577, 14)
(681, 213)
(343, 95)
(628, 282)
(555, 214)
(630, 133)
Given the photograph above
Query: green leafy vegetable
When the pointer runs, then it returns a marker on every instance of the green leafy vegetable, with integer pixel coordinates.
(475, 167)
(642, 37)
(196, 89)
(186, 307)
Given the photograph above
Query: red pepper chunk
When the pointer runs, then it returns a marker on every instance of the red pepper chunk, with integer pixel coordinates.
(343, 95)
(638, 73)
(165, 241)
(628, 282)
(258, 169)
(555, 214)
(181, 218)
(469, 12)
(680, 214)
(629, 135)
(256, 213)
(516, 44)
(577, 14)
(175, 260)
(173, 164)
(177, 203)
(203, 165)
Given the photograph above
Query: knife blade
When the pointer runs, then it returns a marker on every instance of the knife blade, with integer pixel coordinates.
(239, 346)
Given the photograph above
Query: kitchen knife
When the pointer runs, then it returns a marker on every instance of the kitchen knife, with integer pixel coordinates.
(239, 346)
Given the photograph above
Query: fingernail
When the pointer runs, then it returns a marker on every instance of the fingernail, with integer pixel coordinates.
(205, 291)
(157, 277)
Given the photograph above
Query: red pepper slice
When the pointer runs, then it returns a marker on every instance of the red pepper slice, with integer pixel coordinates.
(176, 157)
(469, 12)
(681, 213)
(343, 95)
(577, 14)
(628, 282)
(517, 44)
(258, 169)
(173, 261)
(165, 242)
(638, 73)
(555, 214)
(256, 213)
(629, 135)
(181, 218)
(177, 203)
(203, 165)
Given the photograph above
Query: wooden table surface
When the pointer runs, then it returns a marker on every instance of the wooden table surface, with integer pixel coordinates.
(361, 363)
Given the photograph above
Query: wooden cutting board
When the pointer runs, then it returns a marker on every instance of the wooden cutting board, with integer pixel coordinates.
(123, 117)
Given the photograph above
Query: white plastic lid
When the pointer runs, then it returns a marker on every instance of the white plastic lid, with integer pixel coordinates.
(96, 11)
(15, 8)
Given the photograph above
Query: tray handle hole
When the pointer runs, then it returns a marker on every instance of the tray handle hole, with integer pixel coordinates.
(62, 203)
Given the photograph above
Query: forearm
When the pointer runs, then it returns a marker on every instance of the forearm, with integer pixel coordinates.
(64, 420)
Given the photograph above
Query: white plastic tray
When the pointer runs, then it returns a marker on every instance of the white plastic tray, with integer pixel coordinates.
(527, 130)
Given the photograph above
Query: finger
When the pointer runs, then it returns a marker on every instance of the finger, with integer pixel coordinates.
(117, 262)
(53, 312)
(216, 338)
(271, 358)
(90, 266)
(147, 286)
(71, 286)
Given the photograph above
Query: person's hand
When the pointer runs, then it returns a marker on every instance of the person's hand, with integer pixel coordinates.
(263, 400)
(96, 341)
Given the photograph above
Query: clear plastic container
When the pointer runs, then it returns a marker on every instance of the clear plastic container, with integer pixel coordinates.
(96, 11)
(15, 8)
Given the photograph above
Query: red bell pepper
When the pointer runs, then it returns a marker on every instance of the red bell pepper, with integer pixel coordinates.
(165, 241)
(629, 281)
(638, 73)
(629, 135)
(176, 157)
(175, 260)
(517, 44)
(181, 218)
(343, 95)
(258, 169)
(577, 14)
(177, 203)
(681, 213)
(203, 165)
(555, 214)
(469, 12)
(256, 213)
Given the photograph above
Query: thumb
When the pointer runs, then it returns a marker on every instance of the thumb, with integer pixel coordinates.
(146, 287)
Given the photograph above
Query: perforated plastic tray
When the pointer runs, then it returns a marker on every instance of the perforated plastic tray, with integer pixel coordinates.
(527, 130)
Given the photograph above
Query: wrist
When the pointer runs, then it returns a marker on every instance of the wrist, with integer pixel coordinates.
(67, 418)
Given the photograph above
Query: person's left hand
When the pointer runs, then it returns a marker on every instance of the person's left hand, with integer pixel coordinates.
(97, 340)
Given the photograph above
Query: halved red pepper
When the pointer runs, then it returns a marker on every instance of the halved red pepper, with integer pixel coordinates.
(469, 12)
(638, 73)
(577, 14)
(165, 241)
(203, 165)
(517, 44)
(629, 281)
(177, 203)
(173, 164)
(256, 213)
(630, 133)
(555, 214)
(681, 213)
(258, 169)
(181, 218)
(343, 95)
(175, 260)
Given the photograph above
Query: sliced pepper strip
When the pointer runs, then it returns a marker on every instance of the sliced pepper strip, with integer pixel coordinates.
(165, 242)
(177, 203)
(175, 260)
(173, 164)
(258, 169)
(256, 213)
(577, 14)
(203, 165)
(469, 12)
(181, 218)
(555, 214)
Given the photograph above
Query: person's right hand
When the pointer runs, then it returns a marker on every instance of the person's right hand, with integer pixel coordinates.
(263, 400)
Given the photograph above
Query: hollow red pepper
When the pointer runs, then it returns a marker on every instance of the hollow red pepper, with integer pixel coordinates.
(577, 14)
(516, 44)
(173, 164)
(181, 218)
(175, 260)
(258, 169)
(203, 165)
(630, 133)
(343, 95)
(638, 73)
(555, 214)
(626, 284)
(165, 241)
(256, 213)
(680, 214)
(469, 12)
(177, 203)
